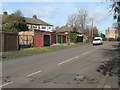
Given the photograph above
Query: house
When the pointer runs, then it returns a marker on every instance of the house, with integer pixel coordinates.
(111, 33)
(63, 29)
(38, 24)
(66, 30)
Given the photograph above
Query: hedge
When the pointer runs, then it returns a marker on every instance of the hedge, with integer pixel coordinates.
(73, 37)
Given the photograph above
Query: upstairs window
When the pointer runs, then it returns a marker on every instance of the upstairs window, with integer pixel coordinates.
(49, 27)
(35, 26)
(28, 25)
(43, 27)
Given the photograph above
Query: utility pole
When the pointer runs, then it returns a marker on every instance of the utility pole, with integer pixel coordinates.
(108, 34)
(92, 29)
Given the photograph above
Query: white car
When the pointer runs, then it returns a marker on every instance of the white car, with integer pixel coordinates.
(97, 41)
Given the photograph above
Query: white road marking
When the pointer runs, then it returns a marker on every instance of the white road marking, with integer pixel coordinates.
(27, 75)
(34, 73)
(68, 60)
(84, 53)
(6, 84)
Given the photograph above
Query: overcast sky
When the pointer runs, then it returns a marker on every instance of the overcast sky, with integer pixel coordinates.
(56, 13)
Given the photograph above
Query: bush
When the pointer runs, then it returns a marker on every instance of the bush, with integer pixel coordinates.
(10, 28)
(73, 37)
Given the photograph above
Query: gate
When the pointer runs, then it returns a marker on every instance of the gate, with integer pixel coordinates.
(27, 40)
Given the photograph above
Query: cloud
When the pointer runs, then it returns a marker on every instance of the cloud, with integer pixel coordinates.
(53, 1)
(99, 14)
(42, 11)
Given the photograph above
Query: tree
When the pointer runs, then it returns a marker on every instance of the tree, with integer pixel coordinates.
(116, 8)
(115, 25)
(56, 27)
(74, 30)
(16, 21)
(102, 35)
(95, 32)
(79, 19)
(73, 37)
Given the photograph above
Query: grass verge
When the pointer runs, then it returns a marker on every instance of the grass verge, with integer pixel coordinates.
(34, 51)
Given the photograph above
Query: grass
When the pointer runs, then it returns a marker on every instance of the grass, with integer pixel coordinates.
(33, 51)
(69, 46)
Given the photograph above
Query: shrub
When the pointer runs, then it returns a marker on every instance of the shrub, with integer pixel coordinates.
(73, 37)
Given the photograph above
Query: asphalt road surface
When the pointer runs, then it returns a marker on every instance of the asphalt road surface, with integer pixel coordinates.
(69, 68)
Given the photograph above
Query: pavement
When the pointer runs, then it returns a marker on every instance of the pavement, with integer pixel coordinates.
(68, 68)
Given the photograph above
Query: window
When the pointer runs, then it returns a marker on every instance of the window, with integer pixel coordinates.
(43, 27)
(34, 26)
(28, 25)
(49, 27)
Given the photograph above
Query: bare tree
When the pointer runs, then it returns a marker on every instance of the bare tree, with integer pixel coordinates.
(79, 19)
(82, 18)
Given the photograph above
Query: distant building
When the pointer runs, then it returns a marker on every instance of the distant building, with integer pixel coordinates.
(111, 33)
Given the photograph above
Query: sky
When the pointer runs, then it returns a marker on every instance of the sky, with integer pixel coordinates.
(56, 13)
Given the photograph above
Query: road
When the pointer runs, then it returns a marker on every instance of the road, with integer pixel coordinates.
(59, 69)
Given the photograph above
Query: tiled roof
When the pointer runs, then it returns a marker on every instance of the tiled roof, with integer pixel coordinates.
(33, 21)
(63, 29)
(36, 21)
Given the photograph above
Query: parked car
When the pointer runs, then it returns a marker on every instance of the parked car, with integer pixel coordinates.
(97, 41)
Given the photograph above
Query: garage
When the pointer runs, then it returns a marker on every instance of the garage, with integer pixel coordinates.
(53, 39)
(64, 39)
(38, 40)
(46, 40)
(79, 38)
(59, 38)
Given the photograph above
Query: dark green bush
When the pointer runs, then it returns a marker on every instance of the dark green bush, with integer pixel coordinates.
(73, 37)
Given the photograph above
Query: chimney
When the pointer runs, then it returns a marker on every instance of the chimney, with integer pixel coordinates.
(5, 13)
(34, 16)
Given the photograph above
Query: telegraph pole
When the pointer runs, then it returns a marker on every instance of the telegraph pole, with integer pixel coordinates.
(92, 29)
(108, 34)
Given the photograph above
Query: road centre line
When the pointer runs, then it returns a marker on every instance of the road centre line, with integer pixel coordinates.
(27, 75)
(68, 60)
(6, 84)
(34, 73)
(84, 53)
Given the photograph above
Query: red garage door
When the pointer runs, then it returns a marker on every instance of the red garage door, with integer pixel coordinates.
(38, 40)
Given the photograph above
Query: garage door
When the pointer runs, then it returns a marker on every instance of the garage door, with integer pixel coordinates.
(59, 38)
(38, 40)
(46, 40)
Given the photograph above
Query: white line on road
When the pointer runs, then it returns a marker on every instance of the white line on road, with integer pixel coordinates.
(84, 53)
(34, 73)
(68, 60)
(6, 84)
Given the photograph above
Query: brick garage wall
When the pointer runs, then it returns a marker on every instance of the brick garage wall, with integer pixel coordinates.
(9, 41)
